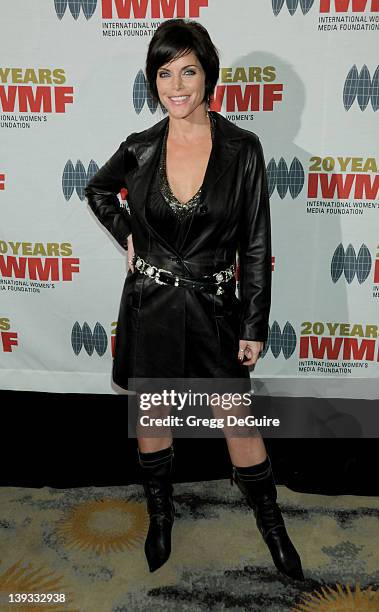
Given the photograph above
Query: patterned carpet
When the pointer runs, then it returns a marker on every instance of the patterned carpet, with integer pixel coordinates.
(88, 544)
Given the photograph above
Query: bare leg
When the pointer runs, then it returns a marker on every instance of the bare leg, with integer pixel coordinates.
(161, 436)
(248, 447)
(150, 445)
(246, 451)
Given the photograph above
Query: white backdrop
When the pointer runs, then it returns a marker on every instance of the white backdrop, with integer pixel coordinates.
(302, 75)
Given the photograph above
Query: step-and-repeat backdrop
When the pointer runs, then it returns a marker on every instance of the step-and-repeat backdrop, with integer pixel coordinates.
(302, 74)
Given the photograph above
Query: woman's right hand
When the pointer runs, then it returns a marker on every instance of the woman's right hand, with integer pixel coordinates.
(130, 253)
(251, 349)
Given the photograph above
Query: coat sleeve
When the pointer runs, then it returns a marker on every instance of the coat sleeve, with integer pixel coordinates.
(101, 193)
(255, 249)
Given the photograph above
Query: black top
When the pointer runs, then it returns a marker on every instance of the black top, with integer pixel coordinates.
(164, 210)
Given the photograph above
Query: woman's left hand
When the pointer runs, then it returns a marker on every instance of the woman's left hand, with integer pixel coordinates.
(252, 350)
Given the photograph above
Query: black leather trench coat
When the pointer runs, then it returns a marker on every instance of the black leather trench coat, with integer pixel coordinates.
(166, 331)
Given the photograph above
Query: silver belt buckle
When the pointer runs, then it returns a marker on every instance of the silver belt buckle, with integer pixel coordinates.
(157, 279)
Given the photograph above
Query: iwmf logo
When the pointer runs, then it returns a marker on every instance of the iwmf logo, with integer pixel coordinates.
(326, 178)
(325, 6)
(361, 87)
(132, 9)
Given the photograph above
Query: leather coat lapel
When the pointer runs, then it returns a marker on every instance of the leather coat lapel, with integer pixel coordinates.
(147, 147)
(225, 148)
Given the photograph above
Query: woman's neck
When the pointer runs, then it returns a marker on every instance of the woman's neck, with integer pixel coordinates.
(191, 128)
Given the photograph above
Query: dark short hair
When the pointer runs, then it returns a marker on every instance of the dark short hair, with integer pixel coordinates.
(175, 38)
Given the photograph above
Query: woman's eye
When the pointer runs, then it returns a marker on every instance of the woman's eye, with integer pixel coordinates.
(164, 74)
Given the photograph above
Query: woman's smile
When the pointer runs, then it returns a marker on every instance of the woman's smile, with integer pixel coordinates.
(178, 99)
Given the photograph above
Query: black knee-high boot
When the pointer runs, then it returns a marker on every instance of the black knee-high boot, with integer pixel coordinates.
(156, 479)
(258, 486)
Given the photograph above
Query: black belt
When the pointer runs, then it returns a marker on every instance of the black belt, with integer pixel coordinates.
(209, 284)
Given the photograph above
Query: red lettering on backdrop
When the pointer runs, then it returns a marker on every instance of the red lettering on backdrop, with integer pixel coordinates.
(32, 101)
(217, 99)
(11, 266)
(8, 339)
(331, 186)
(123, 8)
(343, 6)
(138, 9)
(69, 266)
(35, 101)
(43, 269)
(195, 5)
(166, 8)
(312, 185)
(376, 271)
(365, 350)
(243, 98)
(363, 185)
(8, 101)
(321, 348)
(236, 100)
(38, 268)
(272, 93)
(330, 348)
(63, 96)
(341, 185)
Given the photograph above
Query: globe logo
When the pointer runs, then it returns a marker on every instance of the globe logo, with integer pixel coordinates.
(280, 341)
(76, 177)
(141, 94)
(83, 336)
(350, 264)
(361, 87)
(292, 5)
(284, 179)
(87, 6)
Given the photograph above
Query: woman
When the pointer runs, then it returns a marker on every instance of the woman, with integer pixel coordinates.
(197, 193)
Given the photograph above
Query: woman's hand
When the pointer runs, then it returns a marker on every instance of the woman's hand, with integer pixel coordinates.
(252, 350)
(130, 253)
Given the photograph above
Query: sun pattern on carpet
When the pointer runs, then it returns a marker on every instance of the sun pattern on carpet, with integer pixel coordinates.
(103, 525)
(340, 599)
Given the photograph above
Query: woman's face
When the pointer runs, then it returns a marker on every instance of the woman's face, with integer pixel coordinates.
(181, 85)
